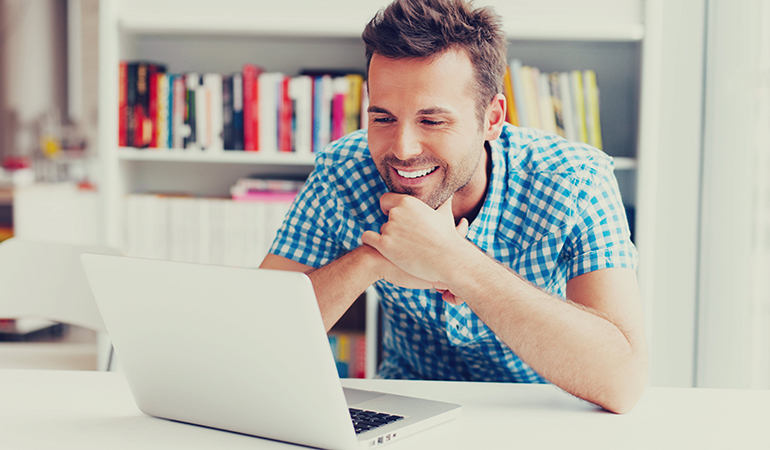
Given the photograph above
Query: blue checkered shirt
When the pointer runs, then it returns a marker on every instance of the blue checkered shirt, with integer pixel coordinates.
(552, 212)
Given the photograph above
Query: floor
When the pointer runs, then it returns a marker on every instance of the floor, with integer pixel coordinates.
(76, 350)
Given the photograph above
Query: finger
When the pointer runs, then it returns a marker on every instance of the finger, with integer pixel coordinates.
(462, 227)
(449, 297)
(371, 238)
(388, 201)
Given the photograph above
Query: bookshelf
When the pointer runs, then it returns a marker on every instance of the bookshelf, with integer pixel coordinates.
(607, 36)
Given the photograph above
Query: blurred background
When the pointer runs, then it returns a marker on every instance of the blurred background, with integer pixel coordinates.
(683, 96)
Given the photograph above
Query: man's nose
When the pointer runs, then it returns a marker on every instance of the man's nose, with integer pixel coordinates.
(407, 144)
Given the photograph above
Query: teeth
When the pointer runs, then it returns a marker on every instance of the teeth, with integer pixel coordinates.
(416, 173)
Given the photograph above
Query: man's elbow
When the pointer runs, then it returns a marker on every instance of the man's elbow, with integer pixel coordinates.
(626, 390)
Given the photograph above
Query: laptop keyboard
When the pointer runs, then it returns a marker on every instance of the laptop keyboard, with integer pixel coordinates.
(364, 421)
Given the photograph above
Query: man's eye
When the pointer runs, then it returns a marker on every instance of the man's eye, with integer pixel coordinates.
(432, 122)
(383, 119)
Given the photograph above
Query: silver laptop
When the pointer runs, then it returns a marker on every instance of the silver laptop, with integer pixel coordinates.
(242, 350)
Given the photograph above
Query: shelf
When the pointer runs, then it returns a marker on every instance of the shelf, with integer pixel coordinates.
(221, 157)
(622, 163)
(346, 28)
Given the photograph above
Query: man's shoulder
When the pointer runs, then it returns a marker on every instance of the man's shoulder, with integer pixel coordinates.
(535, 153)
(352, 148)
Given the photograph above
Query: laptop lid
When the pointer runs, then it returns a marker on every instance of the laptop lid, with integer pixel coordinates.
(243, 350)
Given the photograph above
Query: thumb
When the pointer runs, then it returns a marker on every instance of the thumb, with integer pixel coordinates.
(462, 227)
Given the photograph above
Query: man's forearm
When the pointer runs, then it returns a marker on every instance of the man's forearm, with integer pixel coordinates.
(577, 349)
(338, 284)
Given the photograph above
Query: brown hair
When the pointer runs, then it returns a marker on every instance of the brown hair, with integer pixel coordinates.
(424, 28)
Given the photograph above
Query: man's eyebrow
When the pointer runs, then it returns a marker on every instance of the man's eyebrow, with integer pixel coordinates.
(433, 110)
(377, 109)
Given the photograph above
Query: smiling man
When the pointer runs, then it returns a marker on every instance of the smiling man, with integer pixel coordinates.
(500, 253)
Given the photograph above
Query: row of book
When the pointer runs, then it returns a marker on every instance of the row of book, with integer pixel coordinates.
(349, 350)
(251, 110)
(565, 103)
(202, 230)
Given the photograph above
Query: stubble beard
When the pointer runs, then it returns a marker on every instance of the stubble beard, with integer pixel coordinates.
(453, 180)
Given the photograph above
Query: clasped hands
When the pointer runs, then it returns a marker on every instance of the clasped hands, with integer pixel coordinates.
(416, 244)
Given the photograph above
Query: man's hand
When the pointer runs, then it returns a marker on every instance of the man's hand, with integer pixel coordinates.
(416, 238)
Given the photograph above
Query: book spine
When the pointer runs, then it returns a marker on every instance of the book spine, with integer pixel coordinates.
(251, 108)
(161, 129)
(547, 116)
(269, 95)
(180, 131)
(341, 87)
(578, 103)
(215, 113)
(238, 112)
(519, 97)
(227, 112)
(301, 90)
(592, 108)
(151, 133)
(567, 110)
(202, 115)
(353, 103)
(327, 94)
(122, 104)
(509, 99)
(285, 117)
(191, 140)
(528, 77)
(553, 82)
(170, 82)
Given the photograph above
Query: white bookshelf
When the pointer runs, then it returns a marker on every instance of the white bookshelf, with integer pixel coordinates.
(609, 36)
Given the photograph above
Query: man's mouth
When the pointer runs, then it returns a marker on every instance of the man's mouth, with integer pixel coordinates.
(416, 173)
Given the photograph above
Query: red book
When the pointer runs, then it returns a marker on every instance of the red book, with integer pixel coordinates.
(251, 107)
(285, 118)
(123, 104)
(153, 106)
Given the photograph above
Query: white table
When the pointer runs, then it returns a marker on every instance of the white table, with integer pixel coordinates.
(95, 410)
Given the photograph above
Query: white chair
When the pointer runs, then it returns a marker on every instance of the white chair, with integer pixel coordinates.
(46, 281)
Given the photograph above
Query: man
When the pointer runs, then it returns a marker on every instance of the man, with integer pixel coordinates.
(472, 230)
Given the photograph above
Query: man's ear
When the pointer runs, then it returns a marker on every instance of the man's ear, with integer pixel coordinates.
(494, 118)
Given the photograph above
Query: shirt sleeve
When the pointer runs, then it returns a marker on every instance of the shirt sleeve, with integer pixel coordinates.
(600, 238)
(306, 235)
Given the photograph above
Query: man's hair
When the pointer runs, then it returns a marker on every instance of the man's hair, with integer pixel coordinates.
(425, 28)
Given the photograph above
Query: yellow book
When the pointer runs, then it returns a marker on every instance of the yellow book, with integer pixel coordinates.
(578, 103)
(592, 109)
(512, 117)
(353, 103)
(528, 77)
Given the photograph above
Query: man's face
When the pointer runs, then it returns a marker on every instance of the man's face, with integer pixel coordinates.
(424, 134)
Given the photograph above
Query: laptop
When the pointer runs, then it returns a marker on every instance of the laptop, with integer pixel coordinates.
(242, 350)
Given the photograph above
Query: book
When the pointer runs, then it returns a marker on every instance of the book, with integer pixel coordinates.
(567, 110)
(215, 111)
(285, 117)
(322, 107)
(593, 122)
(162, 114)
(192, 80)
(301, 94)
(270, 86)
(518, 93)
(547, 114)
(511, 115)
(202, 117)
(364, 123)
(578, 104)
(341, 88)
(528, 77)
(228, 130)
(122, 103)
(251, 138)
(553, 83)
(237, 112)
(150, 124)
(353, 103)
(180, 131)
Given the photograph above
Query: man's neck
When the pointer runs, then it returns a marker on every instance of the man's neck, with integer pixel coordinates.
(469, 200)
